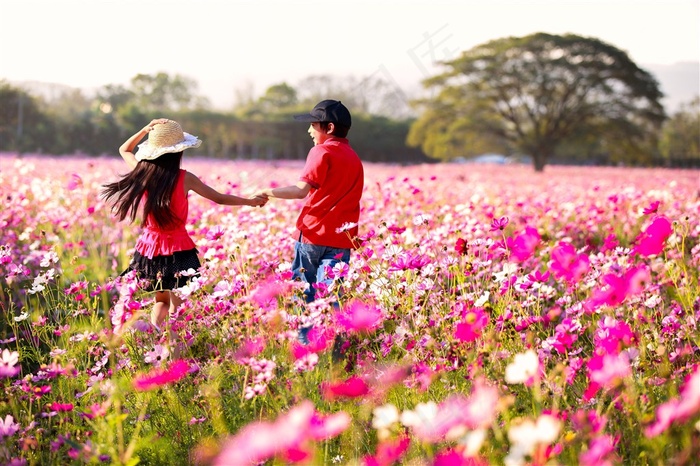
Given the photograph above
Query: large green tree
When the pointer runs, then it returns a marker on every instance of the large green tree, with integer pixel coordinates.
(531, 94)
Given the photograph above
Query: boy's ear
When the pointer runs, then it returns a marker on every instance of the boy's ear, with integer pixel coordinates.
(331, 128)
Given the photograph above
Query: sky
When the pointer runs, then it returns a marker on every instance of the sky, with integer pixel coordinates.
(227, 46)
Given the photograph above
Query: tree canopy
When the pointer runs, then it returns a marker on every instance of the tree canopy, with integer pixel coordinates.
(534, 94)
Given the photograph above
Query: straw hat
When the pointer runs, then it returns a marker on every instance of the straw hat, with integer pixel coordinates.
(166, 138)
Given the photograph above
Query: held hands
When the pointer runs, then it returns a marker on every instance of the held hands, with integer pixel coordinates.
(258, 200)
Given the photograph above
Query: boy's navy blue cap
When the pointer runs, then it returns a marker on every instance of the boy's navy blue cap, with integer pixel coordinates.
(332, 111)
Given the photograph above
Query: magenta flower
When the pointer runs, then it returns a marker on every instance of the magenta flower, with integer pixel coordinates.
(359, 317)
(177, 370)
(461, 246)
(61, 407)
(249, 349)
(8, 363)
(319, 339)
(651, 240)
(617, 288)
(652, 209)
(388, 452)
(567, 264)
(353, 387)
(499, 224)
(471, 326)
(523, 247)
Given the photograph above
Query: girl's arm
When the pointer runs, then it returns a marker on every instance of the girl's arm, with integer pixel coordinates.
(126, 149)
(195, 184)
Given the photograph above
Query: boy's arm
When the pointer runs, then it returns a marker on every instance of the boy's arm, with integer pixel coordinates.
(295, 191)
(126, 150)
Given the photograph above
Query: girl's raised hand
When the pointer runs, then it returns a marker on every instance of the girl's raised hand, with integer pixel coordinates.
(155, 121)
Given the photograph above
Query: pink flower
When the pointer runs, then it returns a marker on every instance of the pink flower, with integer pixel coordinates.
(353, 387)
(159, 377)
(286, 436)
(8, 427)
(567, 264)
(609, 370)
(388, 453)
(319, 339)
(524, 244)
(471, 326)
(599, 451)
(651, 240)
(327, 427)
(357, 316)
(680, 409)
(617, 288)
(652, 209)
(248, 349)
(499, 224)
(74, 182)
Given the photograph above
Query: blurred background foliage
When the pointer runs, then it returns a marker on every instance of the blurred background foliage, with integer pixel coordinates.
(495, 98)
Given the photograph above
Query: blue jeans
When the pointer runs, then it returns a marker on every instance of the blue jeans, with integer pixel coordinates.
(310, 262)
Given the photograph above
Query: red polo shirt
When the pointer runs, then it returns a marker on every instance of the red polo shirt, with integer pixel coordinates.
(335, 173)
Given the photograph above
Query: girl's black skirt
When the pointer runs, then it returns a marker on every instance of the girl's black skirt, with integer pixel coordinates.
(164, 272)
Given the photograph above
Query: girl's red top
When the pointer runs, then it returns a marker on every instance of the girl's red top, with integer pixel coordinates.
(155, 241)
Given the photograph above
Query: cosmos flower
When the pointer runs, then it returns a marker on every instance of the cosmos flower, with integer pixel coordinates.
(567, 264)
(651, 240)
(157, 377)
(359, 317)
(8, 363)
(525, 367)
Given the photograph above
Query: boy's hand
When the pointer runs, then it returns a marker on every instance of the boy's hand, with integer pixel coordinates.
(259, 200)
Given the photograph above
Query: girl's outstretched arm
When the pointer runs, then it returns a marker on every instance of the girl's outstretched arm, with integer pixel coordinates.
(126, 150)
(195, 184)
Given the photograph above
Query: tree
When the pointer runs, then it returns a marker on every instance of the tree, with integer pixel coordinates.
(164, 93)
(24, 127)
(530, 94)
(681, 133)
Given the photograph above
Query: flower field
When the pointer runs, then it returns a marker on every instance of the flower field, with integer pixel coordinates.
(490, 315)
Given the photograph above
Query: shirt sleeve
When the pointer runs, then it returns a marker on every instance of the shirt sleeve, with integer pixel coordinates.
(316, 167)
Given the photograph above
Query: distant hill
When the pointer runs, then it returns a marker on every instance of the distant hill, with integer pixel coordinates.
(680, 82)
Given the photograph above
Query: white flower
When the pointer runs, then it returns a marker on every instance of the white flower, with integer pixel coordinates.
(9, 358)
(653, 301)
(527, 435)
(423, 414)
(524, 366)
(385, 416)
(483, 299)
(22, 316)
(50, 258)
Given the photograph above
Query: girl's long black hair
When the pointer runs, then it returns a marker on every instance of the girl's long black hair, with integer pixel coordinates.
(157, 179)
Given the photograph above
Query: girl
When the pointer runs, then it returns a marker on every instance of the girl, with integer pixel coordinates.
(158, 185)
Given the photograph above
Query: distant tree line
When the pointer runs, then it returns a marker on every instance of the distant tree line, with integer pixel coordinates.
(261, 128)
(555, 99)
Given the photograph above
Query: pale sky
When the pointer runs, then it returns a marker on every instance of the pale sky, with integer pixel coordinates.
(226, 45)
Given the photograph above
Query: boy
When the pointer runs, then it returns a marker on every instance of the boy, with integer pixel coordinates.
(331, 181)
